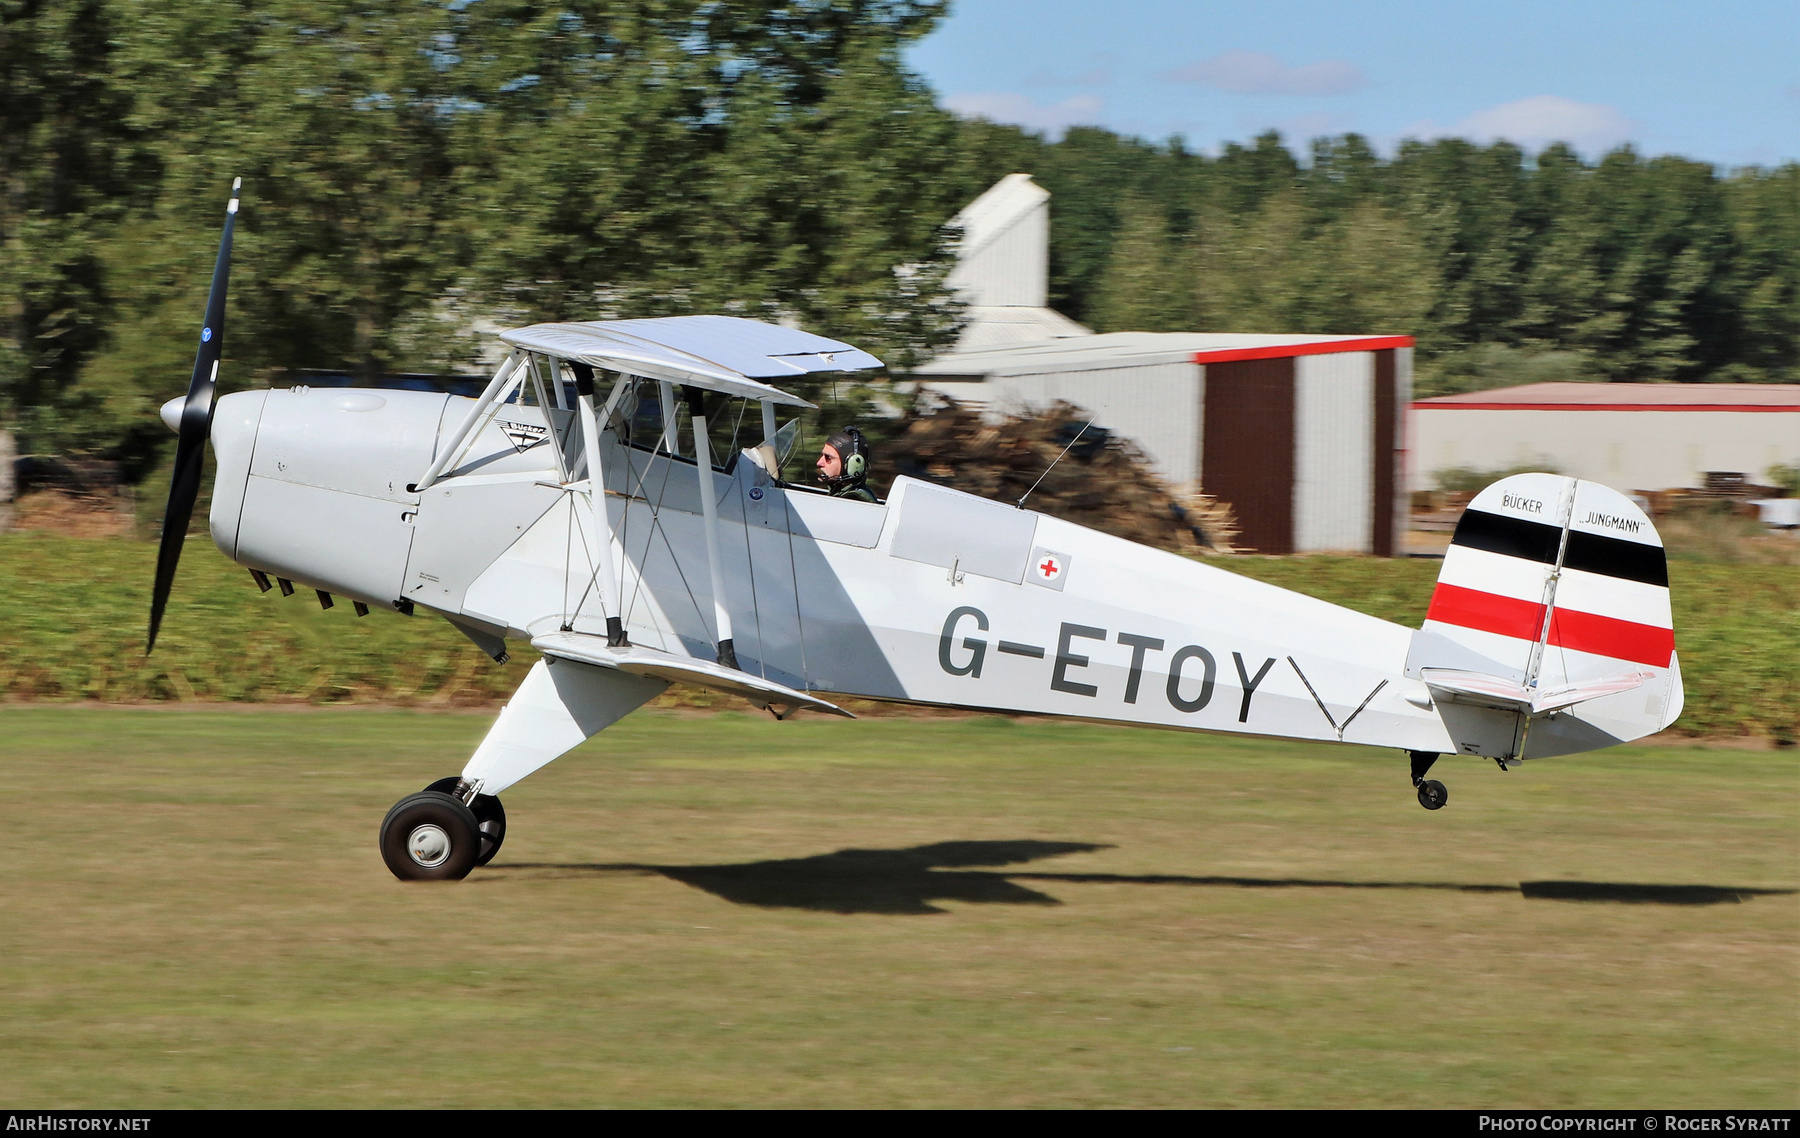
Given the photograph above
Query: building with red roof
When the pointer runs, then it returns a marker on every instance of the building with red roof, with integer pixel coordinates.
(1631, 436)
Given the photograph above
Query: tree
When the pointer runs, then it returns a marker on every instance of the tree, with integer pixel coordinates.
(1636, 270)
(1277, 270)
(411, 168)
(778, 161)
(67, 163)
(1148, 285)
(1764, 206)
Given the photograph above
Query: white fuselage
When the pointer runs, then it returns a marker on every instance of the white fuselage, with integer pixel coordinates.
(933, 597)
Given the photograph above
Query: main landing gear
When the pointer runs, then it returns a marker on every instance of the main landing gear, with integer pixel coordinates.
(1432, 794)
(442, 832)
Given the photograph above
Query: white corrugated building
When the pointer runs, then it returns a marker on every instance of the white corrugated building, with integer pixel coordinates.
(1300, 434)
(1631, 436)
(1003, 268)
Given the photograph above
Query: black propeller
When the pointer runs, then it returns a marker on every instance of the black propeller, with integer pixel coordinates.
(196, 425)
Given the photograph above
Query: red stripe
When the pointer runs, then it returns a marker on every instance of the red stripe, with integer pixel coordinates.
(1524, 620)
(1609, 636)
(1486, 612)
(1315, 348)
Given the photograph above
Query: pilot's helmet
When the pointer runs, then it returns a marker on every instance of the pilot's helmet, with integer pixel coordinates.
(853, 449)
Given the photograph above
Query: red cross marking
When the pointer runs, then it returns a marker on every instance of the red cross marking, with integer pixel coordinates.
(1048, 568)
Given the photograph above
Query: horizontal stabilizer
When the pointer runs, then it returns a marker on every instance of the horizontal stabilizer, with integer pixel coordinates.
(1453, 685)
(637, 660)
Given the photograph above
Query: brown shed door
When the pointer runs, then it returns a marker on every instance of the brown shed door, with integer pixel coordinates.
(1387, 452)
(1247, 449)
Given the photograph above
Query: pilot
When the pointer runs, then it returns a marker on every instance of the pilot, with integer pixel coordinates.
(844, 465)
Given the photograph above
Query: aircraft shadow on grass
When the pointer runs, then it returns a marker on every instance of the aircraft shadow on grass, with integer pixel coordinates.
(907, 881)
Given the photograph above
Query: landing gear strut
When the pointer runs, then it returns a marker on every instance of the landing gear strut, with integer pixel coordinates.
(490, 816)
(1432, 794)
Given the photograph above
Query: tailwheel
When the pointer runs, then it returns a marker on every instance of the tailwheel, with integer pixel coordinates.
(430, 836)
(1432, 794)
(490, 817)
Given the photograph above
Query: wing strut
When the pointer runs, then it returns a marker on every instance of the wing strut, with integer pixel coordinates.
(709, 514)
(590, 441)
(665, 391)
(496, 389)
(543, 398)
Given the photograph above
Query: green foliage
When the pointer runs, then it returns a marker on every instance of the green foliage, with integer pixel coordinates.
(69, 163)
(1470, 480)
(1737, 628)
(1764, 206)
(413, 170)
(1715, 532)
(1482, 367)
(222, 640)
(754, 201)
(1285, 267)
(1508, 268)
(1148, 285)
(410, 169)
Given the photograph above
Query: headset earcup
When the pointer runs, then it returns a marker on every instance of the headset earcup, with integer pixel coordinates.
(855, 465)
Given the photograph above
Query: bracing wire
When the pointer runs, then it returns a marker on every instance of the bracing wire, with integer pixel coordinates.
(597, 494)
(656, 528)
(568, 559)
(593, 581)
(643, 492)
(1020, 504)
(737, 427)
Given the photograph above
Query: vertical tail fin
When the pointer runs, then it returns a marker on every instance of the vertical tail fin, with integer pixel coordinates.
(1551, 585)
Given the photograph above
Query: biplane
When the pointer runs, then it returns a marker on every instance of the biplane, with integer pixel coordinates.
(599, 502)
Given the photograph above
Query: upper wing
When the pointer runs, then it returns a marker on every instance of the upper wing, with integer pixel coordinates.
(717, 353)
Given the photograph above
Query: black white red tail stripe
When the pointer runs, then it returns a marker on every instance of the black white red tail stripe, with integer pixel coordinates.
(1552, 581)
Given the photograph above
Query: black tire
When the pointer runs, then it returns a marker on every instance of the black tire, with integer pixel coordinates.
(1432, 794)
(490, 816)
(430, 836)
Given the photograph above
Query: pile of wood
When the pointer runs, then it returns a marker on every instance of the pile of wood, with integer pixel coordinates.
(72, 515)
(1103, 482)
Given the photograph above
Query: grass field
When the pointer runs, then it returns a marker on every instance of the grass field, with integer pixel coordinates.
(722, 910)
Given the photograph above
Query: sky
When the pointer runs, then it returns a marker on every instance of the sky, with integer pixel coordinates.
(1718, 81)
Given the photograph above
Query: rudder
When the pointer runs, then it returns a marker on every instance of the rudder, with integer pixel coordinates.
(1550, 622)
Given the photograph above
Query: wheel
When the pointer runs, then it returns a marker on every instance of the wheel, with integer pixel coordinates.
(1432, 794)
(430, 836)
(490, 816)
